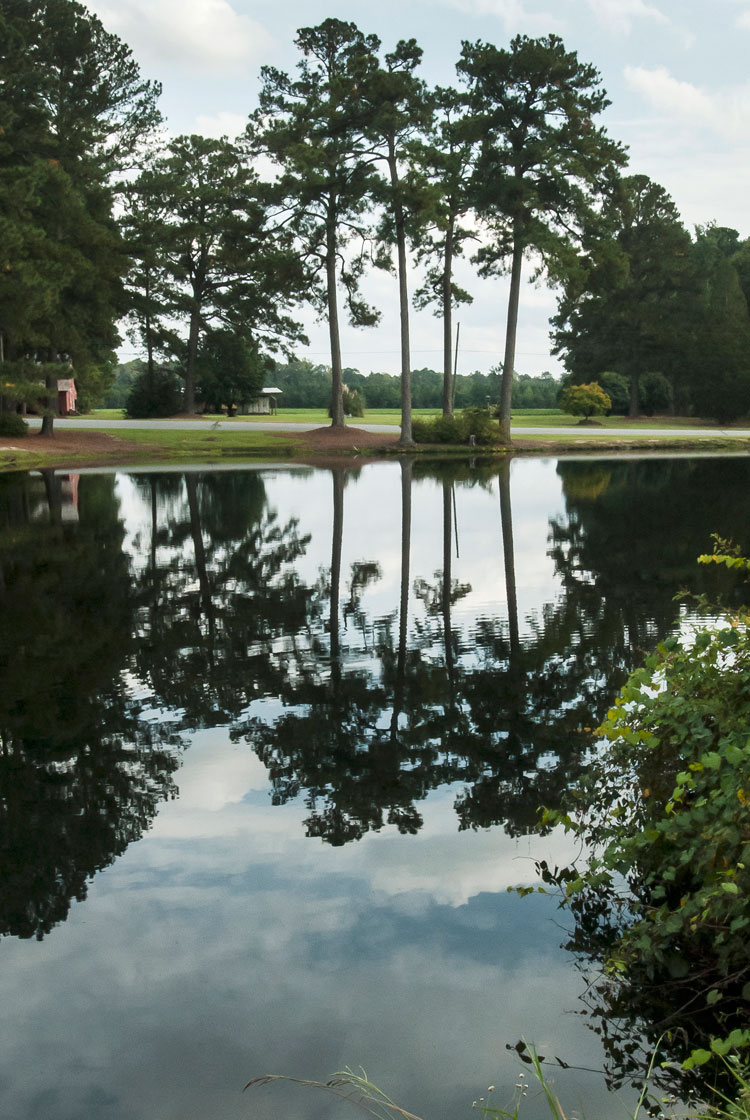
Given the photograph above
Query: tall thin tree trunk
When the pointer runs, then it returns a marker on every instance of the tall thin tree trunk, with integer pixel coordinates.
(509, 361)
(635, 402)
(192, 356)
(149, 335)
(54, 495)
(337, 385)
(200, 562)
(450, 666)
(403, 613)
(506, 521)
(336, 545)
(50, 400)
(448, 323)
(406, 439)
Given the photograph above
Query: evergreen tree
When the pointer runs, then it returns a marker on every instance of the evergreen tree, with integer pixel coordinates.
(312, 126)
(720, 372)
(398, 109)
(540, 162)
(632, 306)
(446, 159)
(208, 250)
(74, 113)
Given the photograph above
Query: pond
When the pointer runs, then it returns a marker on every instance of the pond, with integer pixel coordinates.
(274, 742)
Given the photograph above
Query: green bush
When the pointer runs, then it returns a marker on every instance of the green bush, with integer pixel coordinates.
(617, 388)
(663, 903)
(11, 424)
(160, 396)
(476, 422)
(655, 393)
(585, 400)
(354, 404)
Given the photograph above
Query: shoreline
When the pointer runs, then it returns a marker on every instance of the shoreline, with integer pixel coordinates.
(71, 447)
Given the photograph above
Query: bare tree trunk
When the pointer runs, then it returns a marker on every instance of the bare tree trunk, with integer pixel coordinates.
(337, 386)
(192, 357)
(149, 335)
(406, 439)
(200, 562)
(54, 495)
(336, 545)
(403, 614)
(509, 361)
(448, 323)
(506, 520)
(635, 402)
(50, 401)
(450, 666)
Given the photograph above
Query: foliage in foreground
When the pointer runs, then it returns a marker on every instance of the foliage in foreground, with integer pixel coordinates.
(664, 900)
(11, 424)
(365, 1095)
(472, 422)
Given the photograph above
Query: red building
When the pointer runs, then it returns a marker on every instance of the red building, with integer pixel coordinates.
(67, 395)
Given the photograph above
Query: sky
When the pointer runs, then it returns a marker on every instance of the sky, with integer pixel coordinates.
(675, 71)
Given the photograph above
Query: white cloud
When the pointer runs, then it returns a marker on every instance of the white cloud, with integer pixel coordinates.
(513, 14)
(209, 36)
(618, 15)
(723, 111)
(220, 124)
(743, 20)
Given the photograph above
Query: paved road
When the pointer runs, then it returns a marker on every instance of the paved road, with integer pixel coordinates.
(281, 426)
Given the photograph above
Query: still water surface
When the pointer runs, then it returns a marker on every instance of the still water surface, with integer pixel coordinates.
(273, 744)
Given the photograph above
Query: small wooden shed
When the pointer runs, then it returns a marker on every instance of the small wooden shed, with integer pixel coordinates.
(67, 395)
(266, 403)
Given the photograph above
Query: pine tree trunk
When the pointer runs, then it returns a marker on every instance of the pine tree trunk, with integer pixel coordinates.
(48, 420)
(192, 357)
(635, 401)
(337, 385)
(149, 337)
(336, 544)
(450, 666)
(406, 439)
(506, 521)
(199, 550)
(403, 614)
(509, 361)
(448, 323)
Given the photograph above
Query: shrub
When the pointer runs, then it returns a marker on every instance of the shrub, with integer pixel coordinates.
(159, 396)
(617, 388)
(11, 424)
(655, 392)
(476, 422)
(663, 810)
(354, 404)
(585, 400)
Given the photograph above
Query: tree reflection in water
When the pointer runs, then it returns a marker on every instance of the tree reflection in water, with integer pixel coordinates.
(211, 622)
(81, 771)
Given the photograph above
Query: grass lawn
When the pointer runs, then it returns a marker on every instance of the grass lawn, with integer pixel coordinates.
(520, 418)
(179, 445)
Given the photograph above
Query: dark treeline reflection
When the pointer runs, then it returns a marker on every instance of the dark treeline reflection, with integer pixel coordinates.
(109, 653)
(81, 772)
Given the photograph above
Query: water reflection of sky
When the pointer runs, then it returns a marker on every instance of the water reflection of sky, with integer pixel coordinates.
(372, 528)
(225, 944)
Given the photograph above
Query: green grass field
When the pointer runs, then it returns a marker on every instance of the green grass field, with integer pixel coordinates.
(520, 418)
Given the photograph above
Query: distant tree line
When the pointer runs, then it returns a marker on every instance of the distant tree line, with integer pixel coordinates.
(307, 385)
(105, 222)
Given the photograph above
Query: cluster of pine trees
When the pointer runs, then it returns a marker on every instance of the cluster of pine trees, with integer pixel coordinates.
(103, 221)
